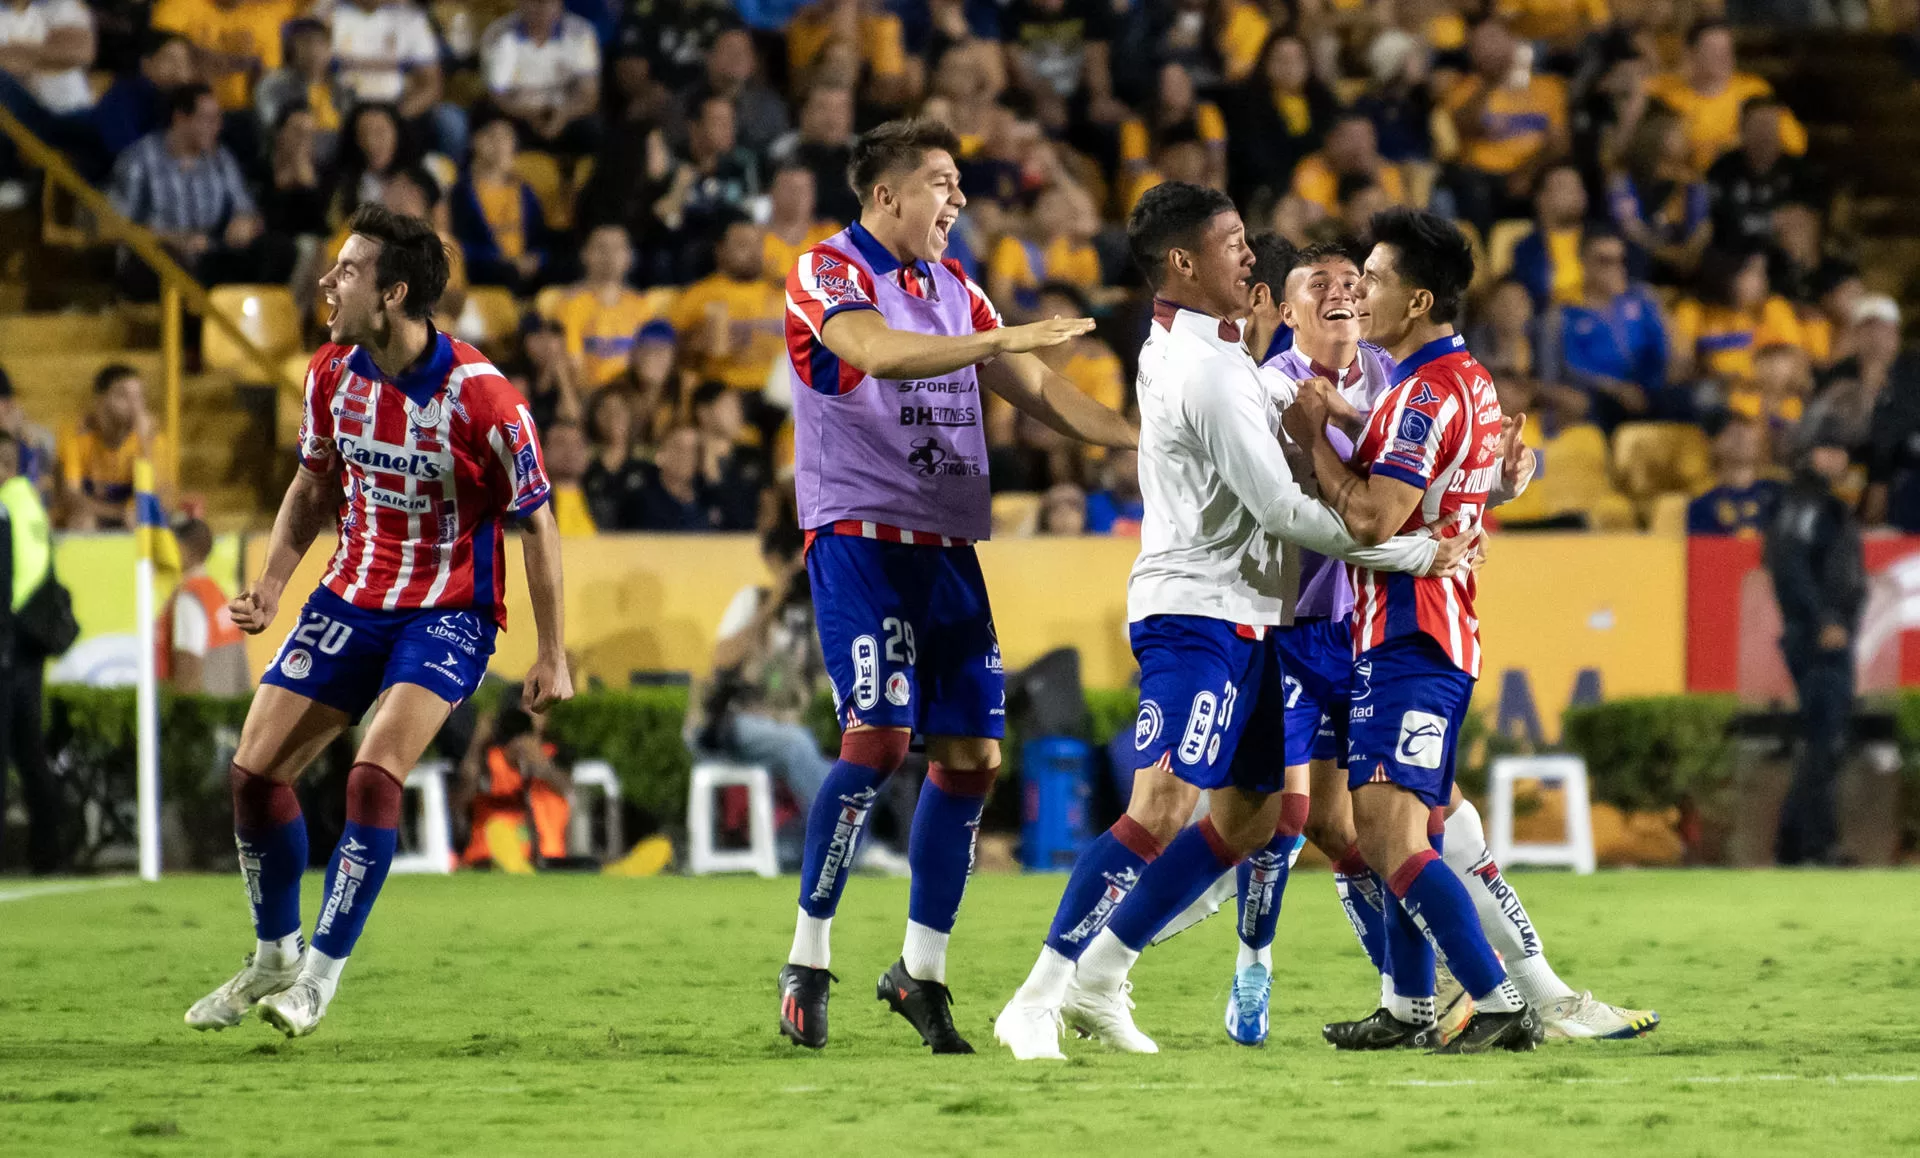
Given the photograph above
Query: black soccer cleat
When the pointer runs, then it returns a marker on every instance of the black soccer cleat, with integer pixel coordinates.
(803, 1005)
(927, 1006)
(1518, 1031)
(1378, 1030)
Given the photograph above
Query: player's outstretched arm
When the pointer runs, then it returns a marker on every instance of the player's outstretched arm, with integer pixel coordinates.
(548, 680)
(1035, 390)
(306, 510)
(1517, 461)
(862, 338)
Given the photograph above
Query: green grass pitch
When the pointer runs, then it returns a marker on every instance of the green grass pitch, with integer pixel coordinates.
(570, 1016)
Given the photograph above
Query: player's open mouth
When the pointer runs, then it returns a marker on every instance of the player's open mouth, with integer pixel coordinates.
(1338, 314)
(943, 227)
(333, 309)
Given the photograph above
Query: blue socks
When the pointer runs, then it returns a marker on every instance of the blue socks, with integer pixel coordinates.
(1436, 902)
(1364, 897)
(1194, 860)
(946, 825)
(1103, 876)
(834, 825)
(360, 861)
(1263, 881)
(272, 838)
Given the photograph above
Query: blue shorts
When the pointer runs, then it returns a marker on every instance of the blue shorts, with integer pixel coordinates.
(1211, 703)
(908, 636)
(1409, 704)
(1316, 656)
(345, 656)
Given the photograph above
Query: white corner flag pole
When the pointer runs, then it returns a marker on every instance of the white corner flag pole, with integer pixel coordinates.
(148, 523)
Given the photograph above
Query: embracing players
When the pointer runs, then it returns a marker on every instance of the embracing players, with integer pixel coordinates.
(890, 345)
(1209, 587)
(424, 453)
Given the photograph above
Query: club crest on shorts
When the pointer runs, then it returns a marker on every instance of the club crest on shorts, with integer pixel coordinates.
(1146, 726)
(296, 664)
(897, 690)
(1423, 740)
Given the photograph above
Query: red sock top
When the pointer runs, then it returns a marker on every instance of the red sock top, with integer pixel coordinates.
(373, 797)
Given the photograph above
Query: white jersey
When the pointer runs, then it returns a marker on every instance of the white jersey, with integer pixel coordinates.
(1220, 499)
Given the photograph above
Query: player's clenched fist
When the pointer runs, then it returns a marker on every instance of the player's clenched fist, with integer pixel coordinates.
(1040, 335)
(253, 610)
(1453, 552)
(1308, 412)
(548, 682)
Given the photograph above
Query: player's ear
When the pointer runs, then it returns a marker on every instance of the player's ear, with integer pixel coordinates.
(1420, 303)
(395, 296)
(1180, 262)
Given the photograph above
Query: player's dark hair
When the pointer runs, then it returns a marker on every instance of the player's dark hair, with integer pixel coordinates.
(1273, 256)
(183, 99)
(893, 146)
(1170, 216)
(1430, 253)
(194, 536)
(1700, 28)
(110, 376)
(410, 252)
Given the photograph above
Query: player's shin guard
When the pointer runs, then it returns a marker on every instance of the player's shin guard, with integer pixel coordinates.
(1502, 917)
(1103, 876)
(357, 870)
(1364, 897)
(1263, 881)
(946, 825)
(272, 838)
(1193, 861)
(834, 827)
(1438, 903)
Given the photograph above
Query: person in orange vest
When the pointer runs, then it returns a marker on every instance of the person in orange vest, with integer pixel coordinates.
(519, 792)
(199, 648)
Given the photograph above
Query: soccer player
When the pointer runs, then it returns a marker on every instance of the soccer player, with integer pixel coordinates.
(1206, 592)
(890, 345)
(1429, 459)
(425, 453)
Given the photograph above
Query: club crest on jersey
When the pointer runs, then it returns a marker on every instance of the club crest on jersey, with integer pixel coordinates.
(427, 416)
(1415, 426)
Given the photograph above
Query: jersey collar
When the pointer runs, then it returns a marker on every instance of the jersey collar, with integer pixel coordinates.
(1438, 348)
(420, 381)
(878, 257)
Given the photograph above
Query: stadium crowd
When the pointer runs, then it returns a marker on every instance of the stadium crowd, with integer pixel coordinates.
(1659, 290)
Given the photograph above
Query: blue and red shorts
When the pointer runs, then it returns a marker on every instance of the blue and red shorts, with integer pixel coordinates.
(1211, 703)
(1408, 704)
(345, 656)
(1316, 659)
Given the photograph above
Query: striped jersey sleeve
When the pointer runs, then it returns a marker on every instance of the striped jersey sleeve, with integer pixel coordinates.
(520, 482)
(821, 284)
(1415, 428)
(316, 447)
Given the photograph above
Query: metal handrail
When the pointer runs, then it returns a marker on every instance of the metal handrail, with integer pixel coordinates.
(177, 286)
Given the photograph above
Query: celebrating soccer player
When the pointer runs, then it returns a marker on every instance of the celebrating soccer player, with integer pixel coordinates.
(425, 453)
(890, 344)
(1206, 592)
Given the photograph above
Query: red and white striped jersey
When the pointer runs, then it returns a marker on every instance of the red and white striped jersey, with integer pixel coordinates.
(1437, 428)
(431, 464)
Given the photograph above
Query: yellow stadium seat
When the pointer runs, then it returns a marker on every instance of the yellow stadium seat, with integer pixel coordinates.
(541, 172)
(490, 315)
(1501, 241)
(265, 314)
(1611, 512)
(1016, 514)
(1668, 514)
(1652, 458)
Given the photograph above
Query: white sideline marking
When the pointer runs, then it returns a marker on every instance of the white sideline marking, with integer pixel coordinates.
(1430, 1083)
(31, 891)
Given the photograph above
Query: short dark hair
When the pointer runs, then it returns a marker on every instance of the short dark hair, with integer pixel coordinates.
(895, 145)
(194, 535)
(1720, 268)
(1273, 256)
(1430, 253)
(1171, 215)
(110, 375)
(184, 99)
(410, 252)
(1335, 249)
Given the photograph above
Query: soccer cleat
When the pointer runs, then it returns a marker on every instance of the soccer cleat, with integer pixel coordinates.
(927, 1006)
(1378, 1030)
(803, 1004)
(1451, 1003)
(229, 1005)
(1519, 1031)
(1580, 1016)
(1106, 1017)
(1206, 905)
(296, 1010)
(1247, 1005)
(1031, 1030)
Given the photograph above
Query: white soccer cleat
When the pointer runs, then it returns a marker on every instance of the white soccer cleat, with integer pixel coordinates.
(877, 858)
(1206, 905)
(229, 1005)
(296, 1010)
(1106, 1017)
(1031, 1030)
(1580, 1016)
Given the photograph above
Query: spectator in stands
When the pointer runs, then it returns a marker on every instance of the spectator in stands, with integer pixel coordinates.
(235, 42)
(97, 453)
(712, 184)
(1176, 106)
(793, 226)
(184, 186)
(1746, 184)
(26, 564)
(1063, 511)
(614, 480)
(517, 786)
(1559, 25)
(33, 443)
(1829, 327)
(414, 192)
(542, 67)
(137, 104)
(1178, 155)
(1611, 346)
(1547, 261)
(305, 81)
(200, 650)
(731, 475)
(385, 52)
(1361, 196)
(1845, 405)
(1659, 203)
(601, 315)
(496, 216)
(564, 449)
(1399, 102)
(847, 40)
(676, 35)
(1707, 93)
(1741, 502)
(650, 385)
(1776, 395)
(1735, 314)
(1117, 508)
(1799, 254)
(823, 142)
(1058, 247)
(376, 146)
(674, 498)
(1059, 53)
(1504, 336)
(549, 378)
(732, 75)
(293, 203)
(1351, 151)
(732, 324)
(1511, 122)
(46, 48)
(1275, 118)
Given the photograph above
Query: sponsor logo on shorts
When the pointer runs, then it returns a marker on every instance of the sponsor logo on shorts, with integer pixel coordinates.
(897, 690)
(462, 631)
(1423, 740)
(1193, 744)
(296, 664)
(1147, 725)
(866, 672)
(448, 667)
